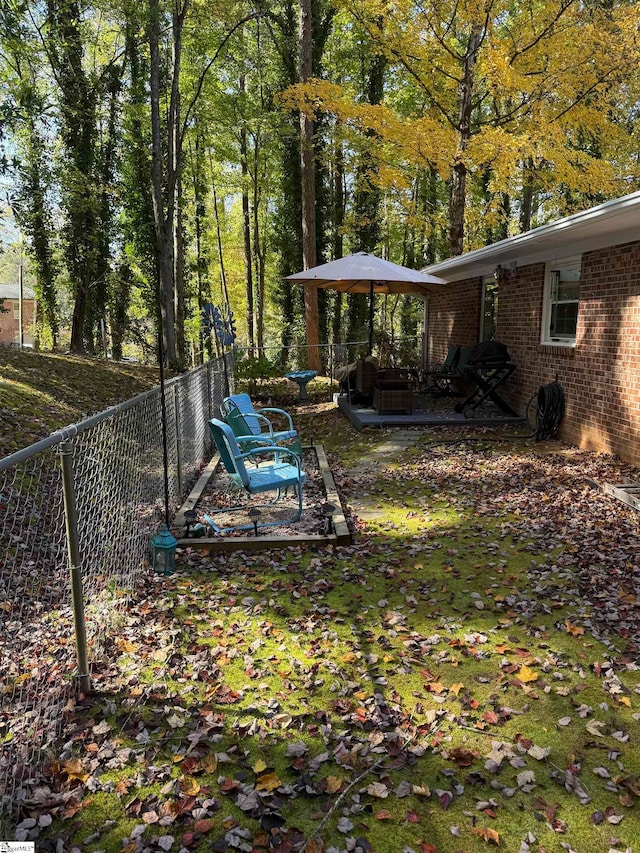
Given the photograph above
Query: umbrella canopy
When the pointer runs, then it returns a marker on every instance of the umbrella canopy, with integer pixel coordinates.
(356, 273)
(365, 273)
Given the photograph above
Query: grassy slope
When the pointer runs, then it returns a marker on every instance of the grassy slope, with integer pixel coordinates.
(42, 392)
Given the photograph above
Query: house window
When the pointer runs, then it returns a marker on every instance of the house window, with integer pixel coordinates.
(562, 300)
(489, 308)
(16, 309)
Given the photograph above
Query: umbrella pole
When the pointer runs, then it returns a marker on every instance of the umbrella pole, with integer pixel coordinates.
(371, 298)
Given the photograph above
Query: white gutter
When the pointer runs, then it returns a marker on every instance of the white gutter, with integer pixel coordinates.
(612, 223)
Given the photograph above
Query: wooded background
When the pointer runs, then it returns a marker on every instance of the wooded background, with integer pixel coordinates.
(161, 155)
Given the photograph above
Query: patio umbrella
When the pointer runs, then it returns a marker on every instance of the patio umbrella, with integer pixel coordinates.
(365, 273)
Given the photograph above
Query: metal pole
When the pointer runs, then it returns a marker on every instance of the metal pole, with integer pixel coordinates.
(21, 305)
(210, 364)
(75, 565)
(163, 421)
(371, 298)
(103, 333)
(330, 371)
(176, 407)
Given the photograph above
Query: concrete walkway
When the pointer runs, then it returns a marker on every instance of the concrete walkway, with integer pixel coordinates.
(396, 444)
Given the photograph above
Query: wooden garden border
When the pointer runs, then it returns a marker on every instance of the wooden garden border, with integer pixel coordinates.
(266, 541)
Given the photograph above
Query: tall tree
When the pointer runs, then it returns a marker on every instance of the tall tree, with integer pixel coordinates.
(499, 82)
(77, 93)
(165, 167)
(307, 171)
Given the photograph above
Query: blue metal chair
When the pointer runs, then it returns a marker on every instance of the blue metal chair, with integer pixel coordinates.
(239, 413)
(277, 477)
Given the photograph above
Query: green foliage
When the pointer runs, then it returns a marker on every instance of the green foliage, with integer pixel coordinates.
(255, 370)
(549, 126)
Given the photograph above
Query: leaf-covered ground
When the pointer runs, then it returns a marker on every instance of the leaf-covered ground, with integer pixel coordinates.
(464, 676)
(41, 392)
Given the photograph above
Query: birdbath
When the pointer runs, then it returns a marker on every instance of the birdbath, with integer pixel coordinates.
(301, 377)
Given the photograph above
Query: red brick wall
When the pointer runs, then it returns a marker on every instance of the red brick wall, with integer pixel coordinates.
(9, 323)
(454, 318)
(600, 376)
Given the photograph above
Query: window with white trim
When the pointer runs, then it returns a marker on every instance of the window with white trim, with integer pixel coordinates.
(561, 302)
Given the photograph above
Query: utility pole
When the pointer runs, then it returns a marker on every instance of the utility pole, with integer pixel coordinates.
(21, 303)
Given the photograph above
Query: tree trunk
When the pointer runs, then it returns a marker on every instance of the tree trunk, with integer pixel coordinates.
(246, 233)
(178, 275)
(526, 205)
(36, 221)
(78, 132)
(309, 258)
(459, 176)
(259, 246)
(338, 237)
(223, 274)
(163, 220)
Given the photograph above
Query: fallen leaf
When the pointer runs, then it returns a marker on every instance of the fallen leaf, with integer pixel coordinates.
(268, 782)
(344, 825)
(488, 835)
(539, 752)
(74, 770)
(525, 674)
(333, 784)
(527, 777)
(594, 728)
(377, 789)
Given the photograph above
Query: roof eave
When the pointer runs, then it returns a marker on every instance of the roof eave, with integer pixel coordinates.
(612, 223)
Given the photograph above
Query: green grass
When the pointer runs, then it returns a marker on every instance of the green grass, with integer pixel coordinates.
(325, 677)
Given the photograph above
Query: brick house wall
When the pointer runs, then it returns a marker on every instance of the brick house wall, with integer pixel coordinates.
(600, 375)
(454, 318)
(9, 321)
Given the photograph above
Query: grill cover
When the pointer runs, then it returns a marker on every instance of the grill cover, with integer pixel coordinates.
(492, 352)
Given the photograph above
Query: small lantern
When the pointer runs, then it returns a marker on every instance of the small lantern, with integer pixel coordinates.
(327, 511)
(254, 515)
(190, 519)
(164, 546)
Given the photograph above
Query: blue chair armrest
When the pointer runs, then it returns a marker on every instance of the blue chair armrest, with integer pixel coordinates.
(261, 418)
(254, 439)
(280, 412)
(276, 451)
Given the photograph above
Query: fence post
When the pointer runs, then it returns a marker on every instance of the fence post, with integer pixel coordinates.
(209, 389)
(176, 405)
(75, 565)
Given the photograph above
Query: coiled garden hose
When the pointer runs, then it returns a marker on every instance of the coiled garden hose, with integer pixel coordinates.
(549, 411)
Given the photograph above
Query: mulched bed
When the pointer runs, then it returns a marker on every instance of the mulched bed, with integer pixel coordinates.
(221, 492)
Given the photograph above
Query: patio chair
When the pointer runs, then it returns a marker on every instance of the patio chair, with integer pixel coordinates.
(246, 422)
(366, 372)
(453, 367)
(393, 391)
(278, 476)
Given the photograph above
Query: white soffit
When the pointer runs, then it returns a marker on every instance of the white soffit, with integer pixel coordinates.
(609, 224)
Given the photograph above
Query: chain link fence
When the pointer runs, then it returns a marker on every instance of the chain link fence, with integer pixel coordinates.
(111, 468)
